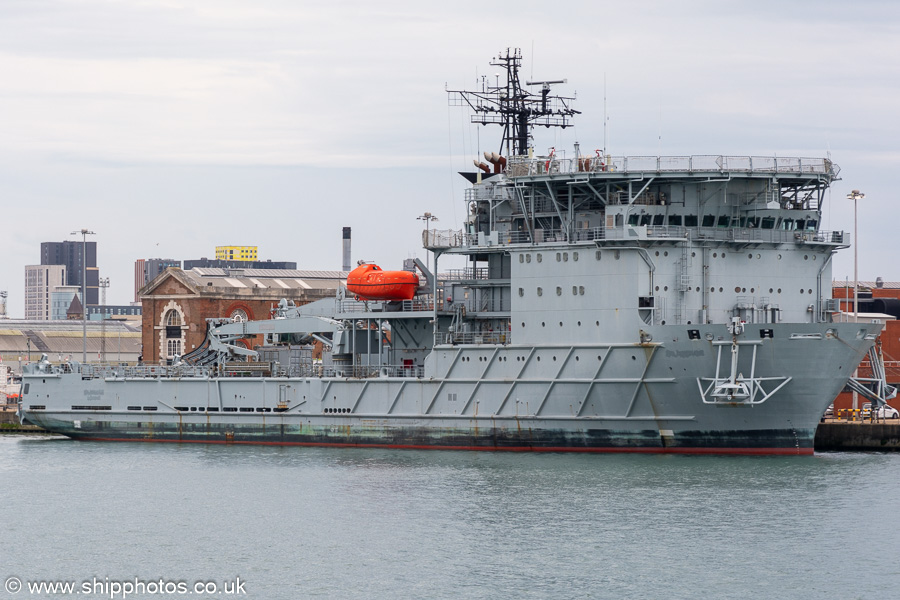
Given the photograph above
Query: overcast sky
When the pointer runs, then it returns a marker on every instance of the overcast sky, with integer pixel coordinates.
(171, 127)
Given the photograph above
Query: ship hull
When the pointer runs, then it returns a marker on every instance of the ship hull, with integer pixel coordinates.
(588, 398)
(524, 435)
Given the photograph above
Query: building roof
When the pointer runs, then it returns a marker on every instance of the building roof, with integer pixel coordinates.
(262, 283)
(888, 285)
(63, 338)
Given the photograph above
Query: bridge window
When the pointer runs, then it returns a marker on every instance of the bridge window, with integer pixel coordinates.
(709, 220)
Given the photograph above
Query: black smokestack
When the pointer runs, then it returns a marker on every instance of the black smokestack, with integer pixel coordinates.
(346, 236)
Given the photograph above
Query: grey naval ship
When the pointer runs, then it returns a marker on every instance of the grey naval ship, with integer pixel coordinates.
(607, 303)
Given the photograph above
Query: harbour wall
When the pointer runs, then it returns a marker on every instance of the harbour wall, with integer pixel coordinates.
(844, 435)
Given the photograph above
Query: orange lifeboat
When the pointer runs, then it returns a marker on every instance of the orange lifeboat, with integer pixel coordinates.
(370, 282)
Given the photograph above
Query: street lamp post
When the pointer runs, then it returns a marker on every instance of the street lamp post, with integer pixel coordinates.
(855, 195)
(428, 218)
(84, 233)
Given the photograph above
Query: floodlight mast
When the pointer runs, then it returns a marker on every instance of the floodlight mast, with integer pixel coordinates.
(516, 109)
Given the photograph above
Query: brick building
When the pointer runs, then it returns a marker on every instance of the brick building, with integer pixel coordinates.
(877, 299)
(176, 304)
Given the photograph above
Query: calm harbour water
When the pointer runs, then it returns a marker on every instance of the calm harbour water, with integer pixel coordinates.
(352, 523)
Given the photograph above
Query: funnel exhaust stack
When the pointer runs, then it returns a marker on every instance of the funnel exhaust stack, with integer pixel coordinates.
(346, 236)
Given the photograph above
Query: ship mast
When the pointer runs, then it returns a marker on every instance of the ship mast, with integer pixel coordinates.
(510, 105)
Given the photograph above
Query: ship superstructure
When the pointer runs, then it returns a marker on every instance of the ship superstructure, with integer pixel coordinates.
(607, 303)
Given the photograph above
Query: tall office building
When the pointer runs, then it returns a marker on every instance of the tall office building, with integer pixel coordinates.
(146, 270)
(71, 254)
(40, 281)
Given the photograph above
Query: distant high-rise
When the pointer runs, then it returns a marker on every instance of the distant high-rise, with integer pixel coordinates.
(40, 283)
(146, 270)
(70, 254)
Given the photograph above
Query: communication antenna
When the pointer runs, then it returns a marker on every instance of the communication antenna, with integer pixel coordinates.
(508, 104)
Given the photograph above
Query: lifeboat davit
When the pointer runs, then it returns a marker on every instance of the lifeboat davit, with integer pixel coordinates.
(370, 282)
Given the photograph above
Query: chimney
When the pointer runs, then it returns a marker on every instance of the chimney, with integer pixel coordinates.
(879, 283)
(346, 237)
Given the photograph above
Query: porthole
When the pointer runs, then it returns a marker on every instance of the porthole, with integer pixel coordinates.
(521, 292)
(539, 359)
(693, 254)
(574, 290)
(737, 289)
(779, 257)
(712, 289)
(539, 257)
(618, 254)
(597, 323)
(558, 291)
(752, 290)
(657, 253)
(523, 323)
(743, 290)
(715, 255)
(779, 290)
(720, 289)
(657, 288)
(750, 256)
(579, 323)
(809, 291)
(543, 324)
(577, 359)
(558, 257)
(528, 258)
(565, 257)
(698, 288)
(597, 255)
(581, 290)
(575, 256)
(771, 290)
(806, 257)
(758, 256)
(521, 258)
(665, 288)
(666, 253)
(554, 358)
(540, 291)
(814, 257)
(802, 290)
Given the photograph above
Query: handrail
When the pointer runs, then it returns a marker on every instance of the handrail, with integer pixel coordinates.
(522, 166)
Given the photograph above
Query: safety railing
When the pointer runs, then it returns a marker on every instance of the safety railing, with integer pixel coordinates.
(520, 166)
(459, 239)
(464, 338)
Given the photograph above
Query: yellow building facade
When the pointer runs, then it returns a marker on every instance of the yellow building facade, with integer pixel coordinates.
(236, 253)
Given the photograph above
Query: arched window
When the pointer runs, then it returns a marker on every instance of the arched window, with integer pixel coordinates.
(173, 319)
(173, 347)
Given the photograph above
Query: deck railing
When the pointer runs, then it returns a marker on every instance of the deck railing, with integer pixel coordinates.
(520, 166)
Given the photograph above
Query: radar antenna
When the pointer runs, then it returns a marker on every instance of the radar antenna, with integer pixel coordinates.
(509, 105)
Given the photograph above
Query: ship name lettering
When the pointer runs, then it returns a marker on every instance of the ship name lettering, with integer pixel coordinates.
(684, 353)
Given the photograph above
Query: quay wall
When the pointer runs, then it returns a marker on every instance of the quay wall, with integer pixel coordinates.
(844, 435)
